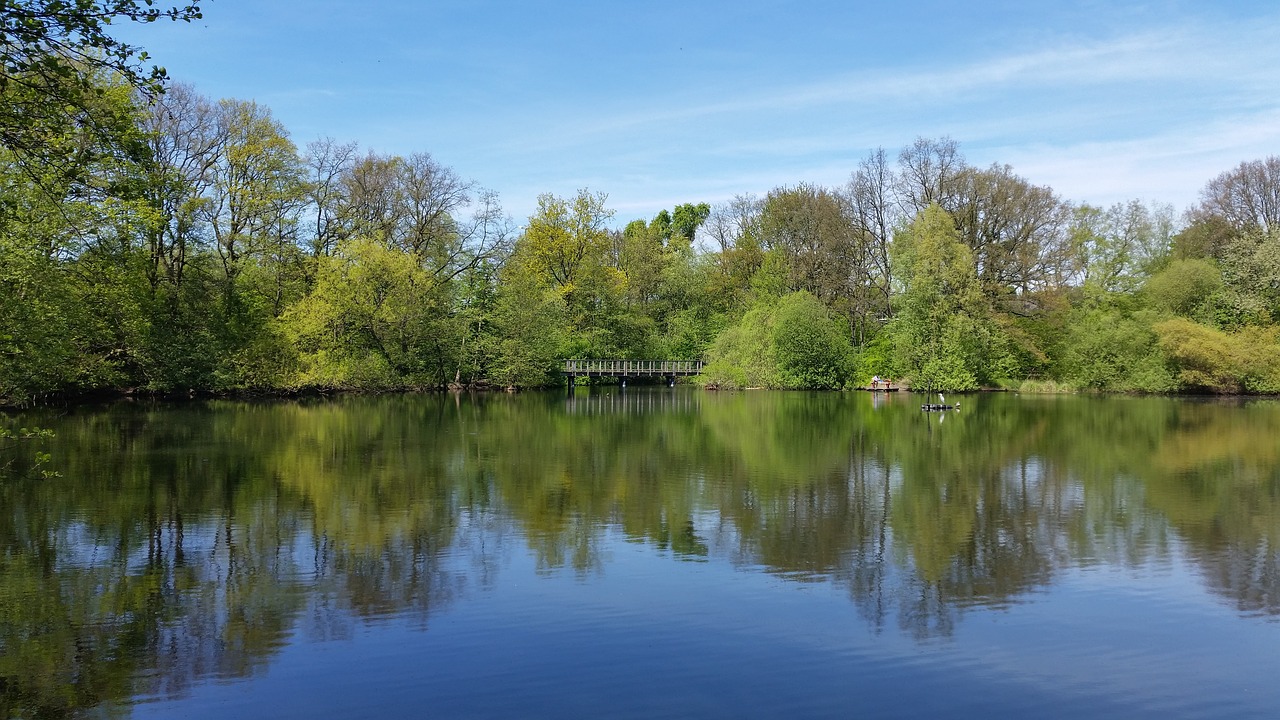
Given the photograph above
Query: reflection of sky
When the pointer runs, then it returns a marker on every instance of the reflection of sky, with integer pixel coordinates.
(651, 636)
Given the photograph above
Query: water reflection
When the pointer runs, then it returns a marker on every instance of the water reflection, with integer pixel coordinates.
(188, 542)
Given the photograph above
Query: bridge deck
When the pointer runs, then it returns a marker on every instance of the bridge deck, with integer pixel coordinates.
(633, 368)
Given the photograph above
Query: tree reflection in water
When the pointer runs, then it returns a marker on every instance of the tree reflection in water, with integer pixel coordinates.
(187, 542)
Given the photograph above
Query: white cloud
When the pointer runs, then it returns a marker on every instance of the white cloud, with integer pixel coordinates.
(1168, 167)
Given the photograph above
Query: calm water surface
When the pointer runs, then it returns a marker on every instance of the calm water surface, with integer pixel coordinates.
(658, 553)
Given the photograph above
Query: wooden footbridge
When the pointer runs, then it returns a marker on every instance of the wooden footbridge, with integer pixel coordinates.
(625, 369)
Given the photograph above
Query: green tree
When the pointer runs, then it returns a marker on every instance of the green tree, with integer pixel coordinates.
(69, 308)
(642, 257)
(1251, 280)
(372, 322)
(529, 329)
(686, 218)
(1184, 287)
(567, 247)
(258, 185)
(792, 342)
(942, 317)
(742, 355)
(734, 228)
(809, 228)
(1108, 349)
(812, 348)
(1118, 247)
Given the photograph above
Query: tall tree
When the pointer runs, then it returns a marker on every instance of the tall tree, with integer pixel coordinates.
(372, 204)
(432, 194)
(328, 162)
(686, 218)
(1116, 248)
(807, 225)
(185, 145)
(257, 185)
(938, 330)
(1017, 232)
(869, 195)
(567, 246)
(1247, 197)
(567, 239)
(929, 171)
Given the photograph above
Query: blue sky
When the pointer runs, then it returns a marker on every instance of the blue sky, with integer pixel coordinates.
(657, 103)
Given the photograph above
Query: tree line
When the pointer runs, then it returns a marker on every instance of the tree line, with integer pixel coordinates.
(166, 241)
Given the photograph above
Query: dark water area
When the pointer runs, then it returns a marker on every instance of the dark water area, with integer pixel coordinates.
(648, 553)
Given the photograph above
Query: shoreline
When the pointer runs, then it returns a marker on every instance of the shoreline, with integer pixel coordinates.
(96, 397)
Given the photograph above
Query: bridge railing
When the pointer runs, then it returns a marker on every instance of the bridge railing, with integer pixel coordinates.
(633, 368)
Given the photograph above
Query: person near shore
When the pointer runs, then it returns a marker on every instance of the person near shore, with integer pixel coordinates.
(875, 382)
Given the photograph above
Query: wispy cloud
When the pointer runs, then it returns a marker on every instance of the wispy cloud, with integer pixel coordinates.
(1169, 167)
(1217, 59)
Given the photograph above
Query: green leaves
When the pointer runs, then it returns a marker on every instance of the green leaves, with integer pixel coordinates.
(1209, 359)
(942, 314)
(794, 343)
(56, 53)
(812, 349)
(372, 320)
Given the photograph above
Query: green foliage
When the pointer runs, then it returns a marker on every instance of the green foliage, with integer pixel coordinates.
(1117, 247)
(53, 56)
(1209, 359)
(876, 358)
(687, 218)
(530, 328)
(1107, 350)
(174, 243)
(1251, 280)
(566, 247)
(371, 321)
(1184, 287)
(34, 329)
(35, 459)
(771, 280)
(942, 320)
(794, 343)
(689, 314)
(812, 349)
(742, 355)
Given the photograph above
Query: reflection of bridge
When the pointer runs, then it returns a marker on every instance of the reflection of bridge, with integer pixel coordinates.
(636, 401)
(624, 369)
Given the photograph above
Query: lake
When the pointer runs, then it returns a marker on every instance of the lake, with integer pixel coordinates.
(645, 553)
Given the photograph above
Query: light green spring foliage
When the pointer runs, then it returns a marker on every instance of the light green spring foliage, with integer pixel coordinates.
(742, 355)
(1210, 359)
(793, 343)
(811, 348)
(944, 336)
(529, 329)
(1109, 350)
(370, 321)
(1184, 287)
